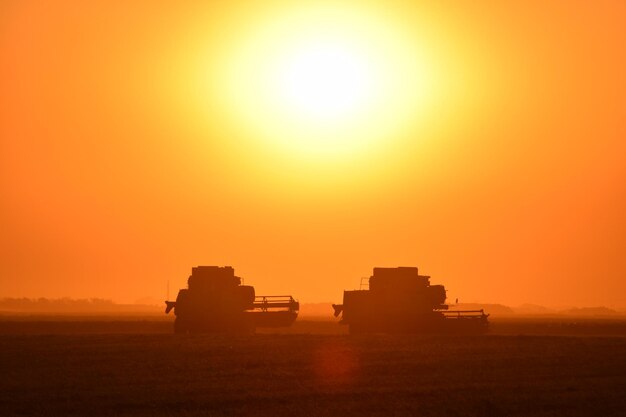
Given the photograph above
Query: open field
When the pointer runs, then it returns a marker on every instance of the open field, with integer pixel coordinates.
(161, 324)
(133, 367)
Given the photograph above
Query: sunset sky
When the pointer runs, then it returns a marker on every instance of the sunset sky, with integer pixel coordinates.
(305, 142)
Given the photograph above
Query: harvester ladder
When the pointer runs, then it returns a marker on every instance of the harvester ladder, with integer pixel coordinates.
(364, 284)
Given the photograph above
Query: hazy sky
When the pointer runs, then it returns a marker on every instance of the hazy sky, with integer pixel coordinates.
(304, 143)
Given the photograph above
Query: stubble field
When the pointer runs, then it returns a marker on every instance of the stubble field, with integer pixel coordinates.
(87, 368)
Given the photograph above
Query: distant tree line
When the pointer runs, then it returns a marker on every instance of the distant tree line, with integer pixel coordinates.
(56, 304)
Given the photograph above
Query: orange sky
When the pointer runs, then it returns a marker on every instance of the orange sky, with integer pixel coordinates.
(124, 161)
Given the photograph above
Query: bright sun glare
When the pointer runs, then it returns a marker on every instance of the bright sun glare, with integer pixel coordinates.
(325, 81)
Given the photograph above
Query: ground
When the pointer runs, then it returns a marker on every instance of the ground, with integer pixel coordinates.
(314, 369)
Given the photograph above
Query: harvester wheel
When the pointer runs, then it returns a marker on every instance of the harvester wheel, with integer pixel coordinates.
(356, 329)
(180, 326)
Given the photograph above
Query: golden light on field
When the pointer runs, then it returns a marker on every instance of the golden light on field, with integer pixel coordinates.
(325, 81)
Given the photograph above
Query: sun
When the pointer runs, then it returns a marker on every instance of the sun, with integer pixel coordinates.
(324, 82)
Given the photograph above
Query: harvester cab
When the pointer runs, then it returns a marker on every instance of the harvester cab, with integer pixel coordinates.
(216, 302)
(401, 300)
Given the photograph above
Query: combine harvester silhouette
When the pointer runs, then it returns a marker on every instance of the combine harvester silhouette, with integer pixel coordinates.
(399, 300)
(216, 302)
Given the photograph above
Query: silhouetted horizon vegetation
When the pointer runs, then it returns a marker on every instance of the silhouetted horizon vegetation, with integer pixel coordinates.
(64, 304)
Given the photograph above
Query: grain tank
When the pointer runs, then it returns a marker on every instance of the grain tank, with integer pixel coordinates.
(401, 300)
(215, 301)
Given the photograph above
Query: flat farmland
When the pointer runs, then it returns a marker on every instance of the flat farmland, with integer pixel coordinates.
(93, 370)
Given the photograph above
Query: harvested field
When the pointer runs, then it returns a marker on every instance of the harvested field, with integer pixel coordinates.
(147, 372)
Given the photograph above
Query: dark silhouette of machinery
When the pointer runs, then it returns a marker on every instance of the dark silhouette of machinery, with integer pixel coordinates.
(216, 302)
(401, 300)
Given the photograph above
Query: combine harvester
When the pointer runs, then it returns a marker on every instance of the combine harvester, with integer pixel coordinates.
(216, 302)
(399, 300)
